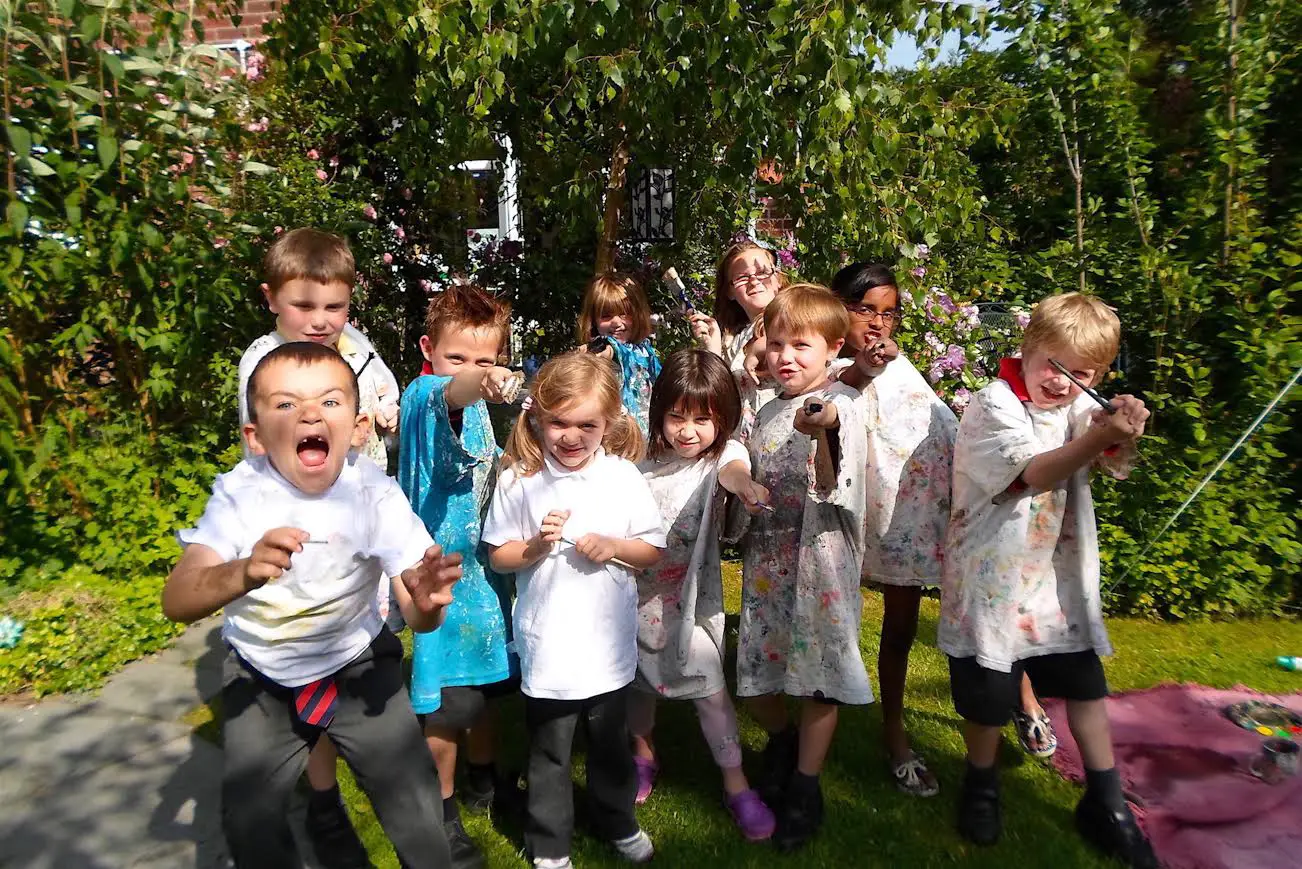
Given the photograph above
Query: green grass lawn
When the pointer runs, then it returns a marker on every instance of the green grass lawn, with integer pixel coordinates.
(868, 822)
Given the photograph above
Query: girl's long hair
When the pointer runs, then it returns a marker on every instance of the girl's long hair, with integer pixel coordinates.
(564, 382)
(730, 316)
(700, 382)
(611, 293)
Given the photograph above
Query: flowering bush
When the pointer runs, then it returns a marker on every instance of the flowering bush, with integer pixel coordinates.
(957, 346)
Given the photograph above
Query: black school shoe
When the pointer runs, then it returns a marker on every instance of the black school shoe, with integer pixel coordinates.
(980, 819)
(465, 853)
(1115, 833)
(333, 838)
(478, 793)
(777, 764)
(801, 814)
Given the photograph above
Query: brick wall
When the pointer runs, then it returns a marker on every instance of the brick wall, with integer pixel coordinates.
(254, 13)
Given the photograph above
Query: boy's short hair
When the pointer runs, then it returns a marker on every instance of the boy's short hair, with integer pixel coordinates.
(467, 306)
(851, 282)
(308, 254)
(802, 308)
(611, 293)
(1076, 322)
(304, 353)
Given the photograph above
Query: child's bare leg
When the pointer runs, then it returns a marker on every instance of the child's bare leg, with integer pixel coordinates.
(817, 727)
(1030, 703)
(442, 742)
(481, 739)
(1088, 720)
(982, 744)
(899, 627)
(641, 724)
(770, 711)
(321, 766)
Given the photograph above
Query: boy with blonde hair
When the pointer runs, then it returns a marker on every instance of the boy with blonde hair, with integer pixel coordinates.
(1020, 591)
(309, 277)
(800, 610)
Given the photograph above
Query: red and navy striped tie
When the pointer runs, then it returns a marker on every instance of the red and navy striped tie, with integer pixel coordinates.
(315, 702)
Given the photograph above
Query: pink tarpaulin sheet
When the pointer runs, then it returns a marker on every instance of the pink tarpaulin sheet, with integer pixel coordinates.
(1185, 765)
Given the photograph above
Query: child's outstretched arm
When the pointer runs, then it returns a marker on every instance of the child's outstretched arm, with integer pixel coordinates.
(1124, 426)
(735, 477)
(469, 386)
(516, 555)
(202, 582)
(424, 590)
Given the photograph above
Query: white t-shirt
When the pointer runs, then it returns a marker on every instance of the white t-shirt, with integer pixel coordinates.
(376, 384)
(575, 620)
(321, 613)
(1021, 576)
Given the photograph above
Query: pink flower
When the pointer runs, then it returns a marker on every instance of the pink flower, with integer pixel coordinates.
(400, 233)
(369, 212)
(961, 399)
(933, 342)
(935, 373)
(321, 175)
(1023, 320)
(427, 285)
(388, 259)
(313, 155)
(257, 126)
(220, 243)
(922, 251)
(277, 230)
(954, 359)
(187, 158)
(163, 99)
(254, 66)
(333, 161)
(918, 272)
(787, 260)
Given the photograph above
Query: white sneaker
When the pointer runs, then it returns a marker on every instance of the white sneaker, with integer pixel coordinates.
(553, 863)
(637, 848)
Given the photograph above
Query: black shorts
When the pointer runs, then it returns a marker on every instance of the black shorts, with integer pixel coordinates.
(462, 705)
(989, 697)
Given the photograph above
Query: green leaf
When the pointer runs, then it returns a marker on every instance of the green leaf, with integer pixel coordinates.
(20, 139)
(842, 101)
(38, 168)
(107, 147)
(17, 214)
(256, 168)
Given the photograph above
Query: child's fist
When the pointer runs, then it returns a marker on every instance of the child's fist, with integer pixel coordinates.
(817, 415)
(552, 525)
(270, 556)
(754, 497)
(705, 330)
(873, 358)
(1125, 423)
(386, 417)
(430, 580)
(596, 547)
(500, 385)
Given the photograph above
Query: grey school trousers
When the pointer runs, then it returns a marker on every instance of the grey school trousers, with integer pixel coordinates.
(612, 777)
(376, 732)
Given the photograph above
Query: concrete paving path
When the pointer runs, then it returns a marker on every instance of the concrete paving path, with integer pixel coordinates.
(117, 779)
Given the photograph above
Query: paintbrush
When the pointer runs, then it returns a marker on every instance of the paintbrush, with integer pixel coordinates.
(671, 278)
(620, 562)
(1103, 402)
